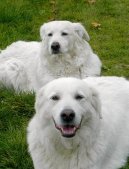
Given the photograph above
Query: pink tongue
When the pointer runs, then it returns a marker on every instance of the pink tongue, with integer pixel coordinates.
(68, 130)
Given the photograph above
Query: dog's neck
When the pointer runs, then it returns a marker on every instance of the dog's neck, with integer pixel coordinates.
(66, 150)
(61, 65)
(69, 64)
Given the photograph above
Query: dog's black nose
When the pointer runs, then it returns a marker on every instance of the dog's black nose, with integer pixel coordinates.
(55, 46)
(67, 115)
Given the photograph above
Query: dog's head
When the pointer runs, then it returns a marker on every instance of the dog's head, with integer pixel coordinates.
(66, 104)
(59, 36)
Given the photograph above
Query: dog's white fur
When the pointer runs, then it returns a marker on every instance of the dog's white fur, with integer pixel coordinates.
(30, 65)
(102, 142)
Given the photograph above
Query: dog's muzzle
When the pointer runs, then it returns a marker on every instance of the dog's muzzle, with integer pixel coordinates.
(55, 47)
(68, 127)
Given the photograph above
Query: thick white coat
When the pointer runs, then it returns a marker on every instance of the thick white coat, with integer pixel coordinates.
(102, 142)
(30, 65)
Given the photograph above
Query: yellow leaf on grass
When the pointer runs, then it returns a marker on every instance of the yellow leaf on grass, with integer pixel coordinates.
(91, 1)
(52, 2)
(96, 24)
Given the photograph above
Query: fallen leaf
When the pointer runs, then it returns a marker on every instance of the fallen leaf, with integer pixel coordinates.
(52, 2)
(96, 24)
(91, 1)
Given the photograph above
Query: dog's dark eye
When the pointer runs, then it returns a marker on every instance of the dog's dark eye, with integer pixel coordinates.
(64, 34)
(55, 98)
(79, 97)
(50, 34)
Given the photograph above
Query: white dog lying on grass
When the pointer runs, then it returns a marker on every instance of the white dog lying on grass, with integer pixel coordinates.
(81, 124)
(64, 51)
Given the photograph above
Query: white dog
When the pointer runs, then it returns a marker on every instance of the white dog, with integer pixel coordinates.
(64, 51)
(81, 124)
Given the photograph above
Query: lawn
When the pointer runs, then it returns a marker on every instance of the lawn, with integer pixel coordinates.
(107, 23)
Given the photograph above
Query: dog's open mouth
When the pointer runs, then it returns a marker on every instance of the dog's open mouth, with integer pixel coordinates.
(68, 130)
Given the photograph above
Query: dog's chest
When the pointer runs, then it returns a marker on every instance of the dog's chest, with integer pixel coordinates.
(70, 159)
(61, 69)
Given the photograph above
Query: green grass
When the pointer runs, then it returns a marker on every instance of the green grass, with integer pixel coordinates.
(21, 20)
(15, 111)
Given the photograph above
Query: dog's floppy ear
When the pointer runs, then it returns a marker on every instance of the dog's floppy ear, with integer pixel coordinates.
(81, 31)
(95, 101)
(42, 31)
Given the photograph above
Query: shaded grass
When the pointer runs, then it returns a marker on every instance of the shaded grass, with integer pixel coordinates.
(21, 20)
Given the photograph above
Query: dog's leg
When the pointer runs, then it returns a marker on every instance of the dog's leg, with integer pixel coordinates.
(13, 74)
(37, 157)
